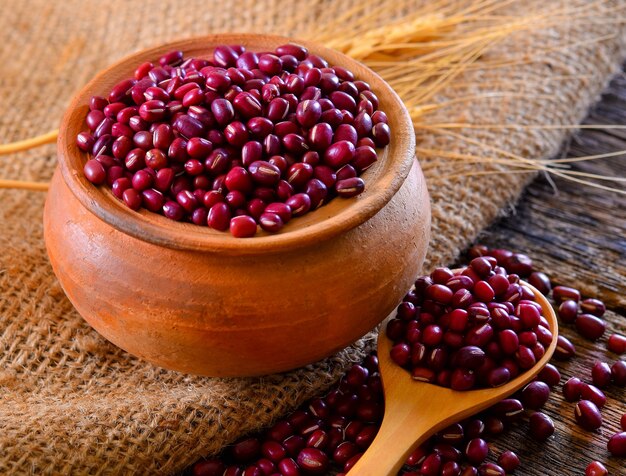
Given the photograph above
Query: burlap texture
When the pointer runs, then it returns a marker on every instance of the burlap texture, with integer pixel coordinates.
(71, 403)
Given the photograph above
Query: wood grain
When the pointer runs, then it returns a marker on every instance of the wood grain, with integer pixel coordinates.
(577, 235)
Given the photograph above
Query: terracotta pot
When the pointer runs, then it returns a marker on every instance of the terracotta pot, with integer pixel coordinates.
(200, 301)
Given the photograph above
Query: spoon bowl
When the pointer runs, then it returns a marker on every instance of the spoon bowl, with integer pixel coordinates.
(414, 411)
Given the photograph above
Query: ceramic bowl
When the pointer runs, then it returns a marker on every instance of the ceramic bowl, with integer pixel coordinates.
(200, 301)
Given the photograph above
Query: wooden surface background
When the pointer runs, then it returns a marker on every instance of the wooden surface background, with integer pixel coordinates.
(577, 235)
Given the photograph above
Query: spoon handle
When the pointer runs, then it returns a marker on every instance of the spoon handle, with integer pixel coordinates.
(402, 430)
(414, 411)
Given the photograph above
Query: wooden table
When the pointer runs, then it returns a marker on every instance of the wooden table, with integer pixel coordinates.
(577, 235)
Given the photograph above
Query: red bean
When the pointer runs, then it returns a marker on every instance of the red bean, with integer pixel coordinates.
(363, 124)
(541, 282)
(483, 291)
(423, 374)
(417, 456)
(339, 154)
(508, 408)
(518, 264)
(255, 207)
(601, 374)
(121, 90)
(153, 200)
(493, 425)
(450, 468)
(85, 141)
(400, 353)
(462, 379)
(189, 127)
(299, 203)
(617, 344)
(550, 375)
(288, 467)
(120, 185)
(431, 465)
(173, 211)
(452, 435)
(132, 198)
(199, 216)
(564, 350)
(476, 450)
(617, 444)
(97, 103)
(211, 467)
(344, 452)
(252, 471)
(618, 372)
(479, 336)
(172, 58)
(270, 222)
(509, 461)
(490, 469)
(349, 187)
(294, 443)
(308, 113)
(498, 376)
(535, 395)
(525, 357)
(568, 311)
(94, 171)
(541, 426)
(593, 306)
(572, 389)
(596, 468)
(219, 217)
(381, 134)
(561, 293)
(280, 209)
(469, 357)
(590, 326)
(260, 127)
(233, 471)
(587, 415)
(313, 461)
(156, 159)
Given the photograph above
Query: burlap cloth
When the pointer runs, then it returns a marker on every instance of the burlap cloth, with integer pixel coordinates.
(71, 403)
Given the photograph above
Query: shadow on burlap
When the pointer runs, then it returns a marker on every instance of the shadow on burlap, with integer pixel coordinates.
(73, 403)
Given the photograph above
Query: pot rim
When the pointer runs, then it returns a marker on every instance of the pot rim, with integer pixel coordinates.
(383, 179)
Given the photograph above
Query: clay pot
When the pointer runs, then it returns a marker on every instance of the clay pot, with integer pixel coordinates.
(196, 300)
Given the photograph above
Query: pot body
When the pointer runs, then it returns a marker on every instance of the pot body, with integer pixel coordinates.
(221, 314)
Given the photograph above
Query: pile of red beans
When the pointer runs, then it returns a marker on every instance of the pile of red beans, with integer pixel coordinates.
(328, 435)
(240, 140)
(475, 327)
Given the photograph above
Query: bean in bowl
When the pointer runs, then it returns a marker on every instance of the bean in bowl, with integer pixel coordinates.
(241, 140)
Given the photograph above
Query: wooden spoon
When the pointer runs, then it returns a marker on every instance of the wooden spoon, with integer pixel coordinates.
(414, 411)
